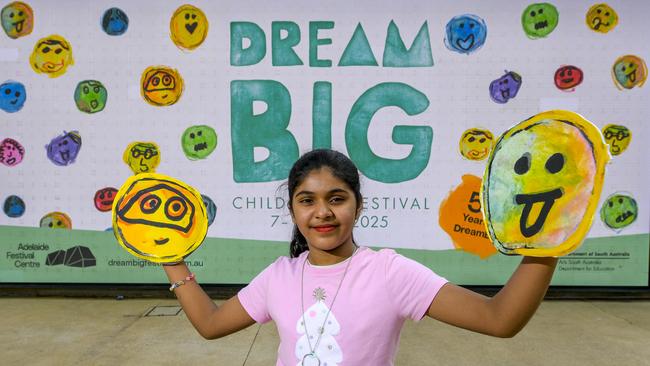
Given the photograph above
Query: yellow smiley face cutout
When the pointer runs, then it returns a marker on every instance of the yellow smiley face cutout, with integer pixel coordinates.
(618, 137)
(159, 218)
(161, 85)
(475, 144)
(542, 184)
(142, 157)
(601, 18)
(188, 27)
(51, 56)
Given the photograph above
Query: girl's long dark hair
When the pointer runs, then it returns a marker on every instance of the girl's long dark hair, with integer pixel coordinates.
(341, 167)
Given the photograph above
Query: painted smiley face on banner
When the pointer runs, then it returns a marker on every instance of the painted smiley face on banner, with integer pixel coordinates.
(161, 85)
(159, 218)
(17, 19)
(188, 27)
(51, 56)
(542, 184)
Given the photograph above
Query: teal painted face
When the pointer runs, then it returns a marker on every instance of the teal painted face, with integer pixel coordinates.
(619, 211)
(199, 141)
(539, 20)
(90, 96)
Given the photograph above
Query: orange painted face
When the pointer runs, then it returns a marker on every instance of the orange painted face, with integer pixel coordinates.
(161, 85)
(17, 19)
(159, 218)
(542, 184)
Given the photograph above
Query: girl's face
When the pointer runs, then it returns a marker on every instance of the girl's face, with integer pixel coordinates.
(324, 208)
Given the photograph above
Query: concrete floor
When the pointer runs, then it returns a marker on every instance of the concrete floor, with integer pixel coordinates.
(77, 331)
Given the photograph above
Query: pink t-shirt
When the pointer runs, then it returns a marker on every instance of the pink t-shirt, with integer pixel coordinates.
(380, 291)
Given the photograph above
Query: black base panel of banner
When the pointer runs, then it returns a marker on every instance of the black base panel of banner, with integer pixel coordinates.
(222, 292)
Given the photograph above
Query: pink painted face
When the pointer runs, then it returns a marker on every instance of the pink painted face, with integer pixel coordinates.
(11, 152)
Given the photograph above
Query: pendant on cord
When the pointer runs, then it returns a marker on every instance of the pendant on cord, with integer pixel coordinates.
(310, 359)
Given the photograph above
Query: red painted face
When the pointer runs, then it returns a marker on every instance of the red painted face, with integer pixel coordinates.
(568, 77)
(104, 198)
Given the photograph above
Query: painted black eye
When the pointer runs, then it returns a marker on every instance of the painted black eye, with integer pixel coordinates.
(598, 11)
(620, 201)
(17, 94)
(611, 204)
(175, 208)
(150, 204)
(187, 16)
(462, 25)
(85, 90)
(96, 89)
(555, 163)
(541, 11)
(193, 16)
(532, 13)
(20, 13)
(7, 91)
(607, 14)
(46, 49)
(623, 68)
(471, 25)
(192, 135)
(482, 140)
(522, 165)
(199, 133)
(58, 50)
(471, 139)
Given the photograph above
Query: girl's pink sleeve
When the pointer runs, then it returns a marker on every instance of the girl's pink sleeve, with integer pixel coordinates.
(254, 296)
(412, 286)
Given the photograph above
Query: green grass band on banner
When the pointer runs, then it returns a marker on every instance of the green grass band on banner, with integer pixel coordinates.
(610, 261)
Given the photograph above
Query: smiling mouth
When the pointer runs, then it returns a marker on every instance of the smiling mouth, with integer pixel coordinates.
(161, 241)
(548, 198)
(465, 44)
(19, 26)
(478, 153)
(14, 101)
(52, 67)
(65, 155)
(631, 76)
(540, 25)
(191, 27)
(324, 229)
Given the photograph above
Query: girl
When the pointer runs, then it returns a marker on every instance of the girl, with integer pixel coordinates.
(338, 303)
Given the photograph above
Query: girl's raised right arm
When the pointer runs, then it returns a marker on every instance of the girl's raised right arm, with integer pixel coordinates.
(209, 320)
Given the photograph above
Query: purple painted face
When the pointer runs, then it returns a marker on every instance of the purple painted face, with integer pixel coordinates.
(505, 87)
(11, 152)
(63, 149)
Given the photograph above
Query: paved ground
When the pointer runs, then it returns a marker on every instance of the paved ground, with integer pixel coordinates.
(77, 331)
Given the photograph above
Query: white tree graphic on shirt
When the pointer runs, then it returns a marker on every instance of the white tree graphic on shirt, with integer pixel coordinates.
(328, 351)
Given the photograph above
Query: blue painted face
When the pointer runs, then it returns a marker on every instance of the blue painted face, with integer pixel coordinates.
(115, 22)
(210, 207)
(505, 87)
(14, 206)
(12, 96)
(465, 33)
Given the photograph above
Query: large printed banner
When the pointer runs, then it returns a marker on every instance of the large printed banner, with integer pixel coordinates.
(226, 96)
